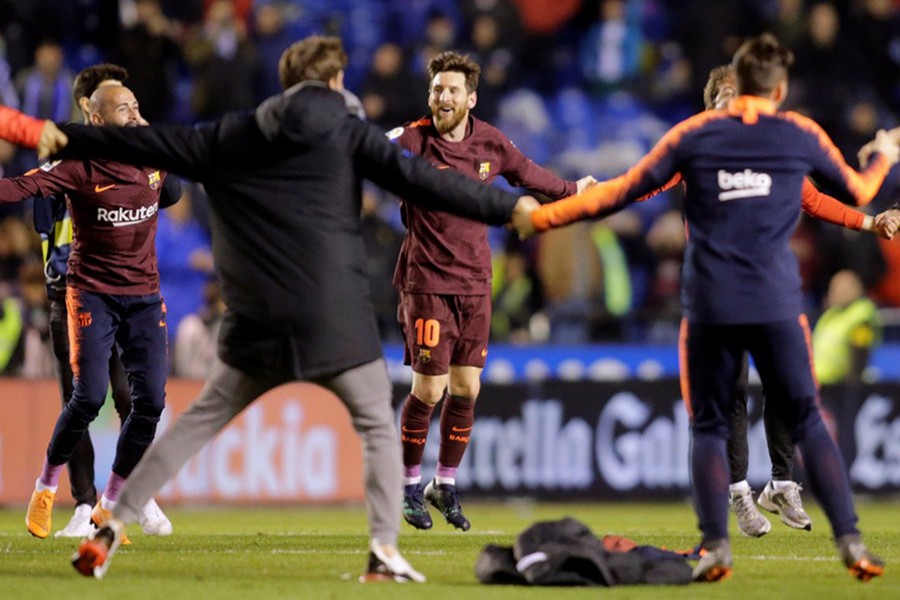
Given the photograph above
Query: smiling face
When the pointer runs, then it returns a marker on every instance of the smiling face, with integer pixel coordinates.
(450, 101)
(115, 105)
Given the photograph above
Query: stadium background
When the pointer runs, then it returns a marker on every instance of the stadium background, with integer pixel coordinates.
(583, 359)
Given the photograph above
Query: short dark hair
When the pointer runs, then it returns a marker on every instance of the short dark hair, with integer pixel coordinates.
(88, 79)
(459, 63)
(714, 83)
(316, 58)
(760, 64)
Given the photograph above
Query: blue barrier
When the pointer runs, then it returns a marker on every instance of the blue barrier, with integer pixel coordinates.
(604, 362)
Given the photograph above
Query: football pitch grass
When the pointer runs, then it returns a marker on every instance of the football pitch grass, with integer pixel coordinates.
(271, 553)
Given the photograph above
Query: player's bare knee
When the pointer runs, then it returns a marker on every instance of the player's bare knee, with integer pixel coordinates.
(469, 391)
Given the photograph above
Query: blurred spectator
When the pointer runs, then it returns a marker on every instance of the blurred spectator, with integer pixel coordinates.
(498, 64)
(846, 333)
(188, 12)
(544, 48)
(37, 352)
(185, 260)
(504, 13)
(661, 308)
(440, 35)
(816, 69)
(789, 24)
(8, 94)
(25, 24)
(12, 336)
(197, 335)
(873, 37)
(410, 19)
(271, 36)
(382, 244)
(838, 249)
(45, 89)
(608, 236)
(887, 290)
(571, 280)
(18, 241)
(148, 50)
(513, 297)
(223, 62)
(610, 56)
(710, 32)
(543, 19)
(8, 97)
(387, 94)
(98, 27)
(242, 10)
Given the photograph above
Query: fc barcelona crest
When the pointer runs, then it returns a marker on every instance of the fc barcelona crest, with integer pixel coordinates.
(155, 180)
(424, 355)
(484, 169)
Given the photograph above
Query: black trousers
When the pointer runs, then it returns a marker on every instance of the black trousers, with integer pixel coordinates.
(778, 436)
(81, 464)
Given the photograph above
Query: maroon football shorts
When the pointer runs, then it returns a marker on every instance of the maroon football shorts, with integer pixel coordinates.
(442, 330)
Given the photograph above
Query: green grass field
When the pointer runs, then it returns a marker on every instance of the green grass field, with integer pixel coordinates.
(224, 554)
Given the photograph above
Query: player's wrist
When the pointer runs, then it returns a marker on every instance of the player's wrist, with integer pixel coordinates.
(868, 223)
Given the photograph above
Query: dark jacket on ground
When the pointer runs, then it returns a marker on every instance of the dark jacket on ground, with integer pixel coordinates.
(286, 222)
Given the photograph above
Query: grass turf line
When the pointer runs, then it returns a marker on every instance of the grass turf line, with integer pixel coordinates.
(280, 552)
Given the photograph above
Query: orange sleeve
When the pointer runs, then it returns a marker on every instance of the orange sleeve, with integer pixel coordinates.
(594, 200)
(605, 194)
(19, 128)
(829, 209)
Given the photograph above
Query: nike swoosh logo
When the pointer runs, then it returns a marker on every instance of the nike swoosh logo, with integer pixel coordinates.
(460, 429)
(413, 430)
(100, 190)
(442, 167)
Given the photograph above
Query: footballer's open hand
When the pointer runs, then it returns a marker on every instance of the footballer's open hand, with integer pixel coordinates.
(886, 143)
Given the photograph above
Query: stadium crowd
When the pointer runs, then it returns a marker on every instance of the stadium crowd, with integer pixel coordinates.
(581, 86)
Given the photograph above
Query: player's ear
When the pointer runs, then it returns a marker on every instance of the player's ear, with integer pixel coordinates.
(473, 100)
(781, 91)
(96, 119)
(336, 83)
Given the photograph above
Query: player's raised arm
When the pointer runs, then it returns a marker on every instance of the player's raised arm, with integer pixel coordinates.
(414, 178)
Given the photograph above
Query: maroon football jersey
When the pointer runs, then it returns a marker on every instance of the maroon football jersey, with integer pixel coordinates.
(446, 254)
(113, 209)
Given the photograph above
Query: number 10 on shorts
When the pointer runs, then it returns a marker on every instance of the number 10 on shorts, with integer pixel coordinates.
(428, 332)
